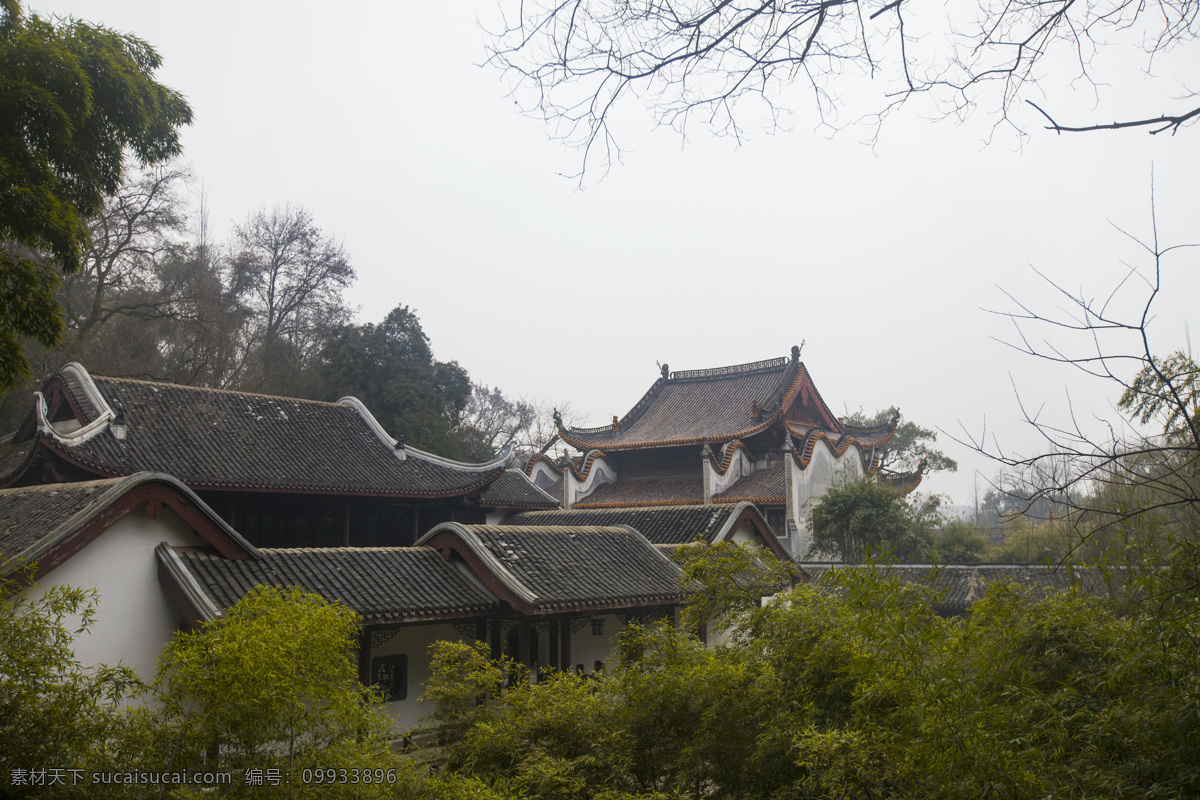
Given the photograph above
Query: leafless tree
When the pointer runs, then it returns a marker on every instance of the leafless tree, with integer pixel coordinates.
(541, 434)
(1127, 472)
(290, 278)
(574, 62)
(138, 227)
(492, 422)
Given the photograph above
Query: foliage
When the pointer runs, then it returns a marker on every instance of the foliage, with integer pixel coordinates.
(1167, 390)
(53, 710)
(864, 518)
(908, 448)
(74, 98)
(724, 580)
(391, 368)
(957, 542)
(1101, 477)
(464, 682)
(272, 684)
(863, 691)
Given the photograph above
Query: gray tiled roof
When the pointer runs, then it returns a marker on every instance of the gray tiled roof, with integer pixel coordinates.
(648, 490)
(13, 456)
(514, 490)
(382, 584)
(212, 438)
(36, 519)
(691, 406)
(659, 524)
(956, 587)
(557, 567)
(30, 514)
(764, 485)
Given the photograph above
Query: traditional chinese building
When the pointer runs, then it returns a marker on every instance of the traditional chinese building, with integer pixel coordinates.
(756, 432)
(283, 472)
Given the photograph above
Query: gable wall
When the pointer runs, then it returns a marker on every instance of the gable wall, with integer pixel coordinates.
(134, 617)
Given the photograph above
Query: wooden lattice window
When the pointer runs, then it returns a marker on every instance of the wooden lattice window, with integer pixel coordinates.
(390, 675)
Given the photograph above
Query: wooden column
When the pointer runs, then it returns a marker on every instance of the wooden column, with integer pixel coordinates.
(564, 642)
(346, 523)
(523, 642)
(364, 656)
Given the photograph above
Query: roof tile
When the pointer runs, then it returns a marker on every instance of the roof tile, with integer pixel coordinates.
(212, 438)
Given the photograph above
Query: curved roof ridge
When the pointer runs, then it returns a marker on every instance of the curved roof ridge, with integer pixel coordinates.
(732, 369)
(372, 549)
(486, 557)
(542, 457)
(690, 406)
(111, 490)
(190, 387)
(376, 428)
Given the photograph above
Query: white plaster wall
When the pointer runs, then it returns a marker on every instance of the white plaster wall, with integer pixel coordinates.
(135, 618)
(414, 641)
(823, 471)
(739, 467)
(745, 534)
(601, 473)
(543, 476)
(587, 649)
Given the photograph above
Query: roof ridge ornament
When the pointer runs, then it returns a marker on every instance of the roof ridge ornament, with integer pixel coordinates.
(796, 348)
(118, 427)
(104, 414)
(732, 369)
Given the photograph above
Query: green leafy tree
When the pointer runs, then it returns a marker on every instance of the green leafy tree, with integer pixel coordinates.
(725, 579)
(75, 99)
(1167, 390)
(858, 689)
(391, 368)
(272, 684)
(866, 519)
(53, 709)
(957, 542)
(911, 445)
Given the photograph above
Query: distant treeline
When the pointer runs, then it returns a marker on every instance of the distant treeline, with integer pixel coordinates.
(264, 311)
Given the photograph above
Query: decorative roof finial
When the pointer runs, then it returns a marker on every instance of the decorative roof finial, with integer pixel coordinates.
(755, 411)
(921, 466)
(558, 418)
(796, 348)
(666, 371)
(895, 417)
(401, 452)
(616, 426)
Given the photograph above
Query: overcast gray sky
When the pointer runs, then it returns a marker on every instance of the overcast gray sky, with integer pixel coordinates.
(377, 117)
